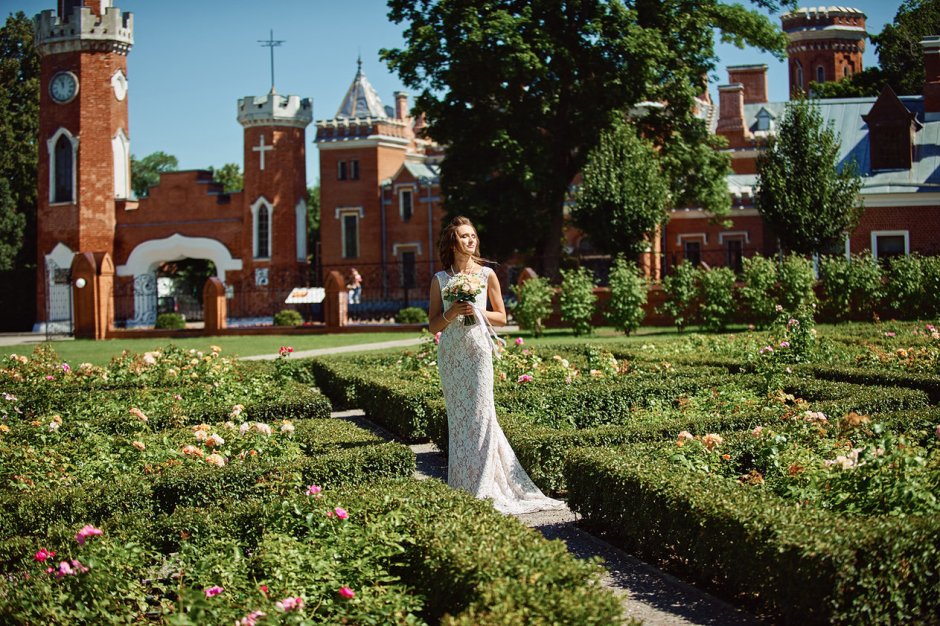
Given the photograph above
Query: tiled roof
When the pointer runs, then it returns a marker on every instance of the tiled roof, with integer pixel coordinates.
(361, 100)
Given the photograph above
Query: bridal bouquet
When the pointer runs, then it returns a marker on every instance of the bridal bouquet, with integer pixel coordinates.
(464, 288)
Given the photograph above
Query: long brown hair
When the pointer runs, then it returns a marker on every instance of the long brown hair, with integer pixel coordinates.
(448, 241)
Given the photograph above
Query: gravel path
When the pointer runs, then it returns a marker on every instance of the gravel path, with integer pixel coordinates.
(646, 593)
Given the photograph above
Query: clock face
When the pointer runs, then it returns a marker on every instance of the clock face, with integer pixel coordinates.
(63, 87)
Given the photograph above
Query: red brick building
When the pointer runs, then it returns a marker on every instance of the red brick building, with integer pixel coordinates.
(256, 238)
(893, 139)
(379, 196)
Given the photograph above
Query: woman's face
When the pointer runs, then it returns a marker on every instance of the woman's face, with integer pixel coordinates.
(466, 240)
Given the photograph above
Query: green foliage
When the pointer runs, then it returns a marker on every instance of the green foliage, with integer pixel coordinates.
(313, 218)
(623, 196)
(899, 51)
(173, 321)
(803, 156)
(230, 177)
(681, 288)
(145, 173)
(629, 290)
(797, 281)
(577, 299)
(509, 92)
(716, 291)
(758, 293)
(533, 303)
(411, 315)
(288, 317)
(19, 134)
(853, 288)
(905, 293)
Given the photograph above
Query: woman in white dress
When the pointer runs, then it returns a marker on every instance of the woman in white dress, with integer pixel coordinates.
(480, 459)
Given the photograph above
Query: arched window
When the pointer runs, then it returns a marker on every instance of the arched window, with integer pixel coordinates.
(300, 215)
(846, 71)
(63, 189)
(799, 75)
(120, 147)
(261, 212)
(820, 74)
(261, 233)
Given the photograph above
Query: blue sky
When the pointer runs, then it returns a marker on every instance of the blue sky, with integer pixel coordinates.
(193, 60)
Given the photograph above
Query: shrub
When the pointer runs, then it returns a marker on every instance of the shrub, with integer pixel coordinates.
(288, 317)
(758, 291)
(628, 293)
(171, 321)
(577, 299)
(797, 280)
(716, 289)
(534, 304)
(411, 315)
(681, 292)
(853, 288)
(931, 266)
(905, 295)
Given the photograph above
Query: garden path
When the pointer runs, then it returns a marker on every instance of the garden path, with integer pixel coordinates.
(646, 593)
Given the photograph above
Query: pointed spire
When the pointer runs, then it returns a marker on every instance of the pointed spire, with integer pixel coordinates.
(361, 99)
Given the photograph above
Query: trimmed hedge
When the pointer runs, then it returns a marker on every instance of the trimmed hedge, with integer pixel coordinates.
(800, 565)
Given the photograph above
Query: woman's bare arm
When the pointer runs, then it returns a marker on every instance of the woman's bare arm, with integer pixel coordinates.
(497, 316)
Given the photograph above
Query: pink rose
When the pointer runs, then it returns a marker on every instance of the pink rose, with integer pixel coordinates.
(437, 337)
(341, 513)
(43, 554)
(290, 604)
(525, 378)
(87, 532)
(346, 592)
(251, 619)
(519, 341)
(213, 591)
(314, 490)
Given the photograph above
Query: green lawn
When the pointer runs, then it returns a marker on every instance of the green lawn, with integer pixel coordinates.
(100, 352)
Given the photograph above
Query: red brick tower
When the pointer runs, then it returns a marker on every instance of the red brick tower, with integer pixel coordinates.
(275, 192)
(84, 149)
(826, 44)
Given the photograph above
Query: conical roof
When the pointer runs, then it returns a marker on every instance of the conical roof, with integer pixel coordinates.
(361, 99)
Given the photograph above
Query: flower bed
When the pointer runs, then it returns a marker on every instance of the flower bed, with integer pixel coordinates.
(399, 552)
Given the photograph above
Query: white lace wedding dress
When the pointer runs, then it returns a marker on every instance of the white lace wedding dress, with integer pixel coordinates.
(480, 459)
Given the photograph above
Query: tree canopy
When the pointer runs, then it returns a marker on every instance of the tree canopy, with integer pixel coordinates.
(624, 194)
(19, 132)
(518, 93)
(230, 175)
(900, 55)
(803, 194)
(145, 173)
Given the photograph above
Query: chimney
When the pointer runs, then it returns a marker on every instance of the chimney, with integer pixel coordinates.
(931, 46)
(731, 112)
(754, 79)
(401, 106)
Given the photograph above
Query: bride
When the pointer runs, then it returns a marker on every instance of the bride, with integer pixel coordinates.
(480, 459)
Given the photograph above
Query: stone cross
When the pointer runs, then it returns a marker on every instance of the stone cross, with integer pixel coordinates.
(261, 148)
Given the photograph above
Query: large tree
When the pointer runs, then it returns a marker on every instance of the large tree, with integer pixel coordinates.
(19, 132)
(145, 173)
(313, 219)
(900, 55)
(803, 192)
(624, 194)
(518, 93)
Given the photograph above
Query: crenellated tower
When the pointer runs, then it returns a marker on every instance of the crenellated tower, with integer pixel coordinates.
(275, 184)
(84, 139)
(826, 44)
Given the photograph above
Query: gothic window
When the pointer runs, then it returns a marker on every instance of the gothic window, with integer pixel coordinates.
(63, 149)
(820, 74)
(846, 71)
(406, 204)
(261, 213)
(120, 147)
(799, 75)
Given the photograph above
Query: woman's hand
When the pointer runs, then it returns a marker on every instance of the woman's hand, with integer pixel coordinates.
(459, 308)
